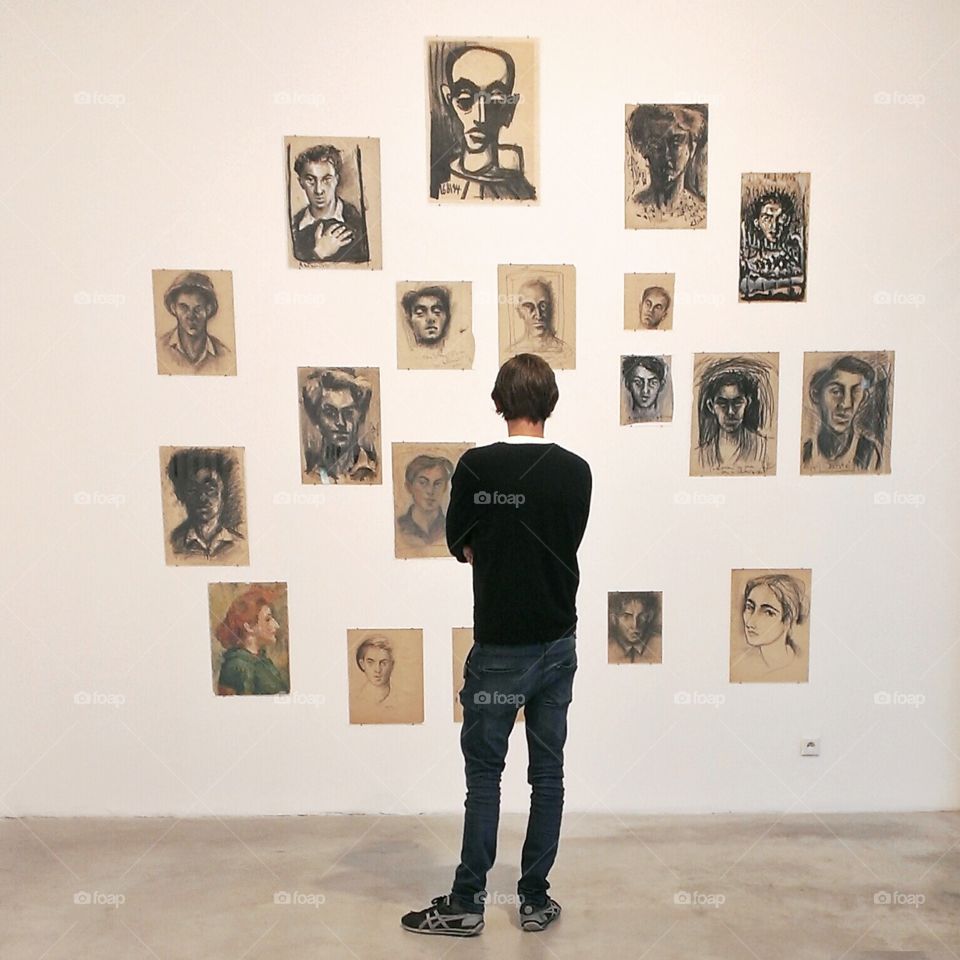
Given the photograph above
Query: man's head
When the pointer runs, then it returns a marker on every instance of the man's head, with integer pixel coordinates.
(772, 215)
(428, 313)
(667, 136)
(426, 479)
(654, 307)
(192, 299)
(536, 308)
(839, 391)
(200, 478)
(632, 615)
(375, 659)
(318, 170)
(525, 389)
(644, 378)
(478, 89)
(728, 397)
(336, 401)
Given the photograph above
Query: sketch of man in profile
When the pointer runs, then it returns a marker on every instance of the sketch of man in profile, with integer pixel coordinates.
(634, 634)
(376, 662)
(328, 229)
(427, 480)
(427, 311)
(669, 165)
(189, 347)
(839, 393)
(734, 404)
(478, 91)
(645, 382)
(654, 307)
(336, 400)
(203, 482)
(536, 308)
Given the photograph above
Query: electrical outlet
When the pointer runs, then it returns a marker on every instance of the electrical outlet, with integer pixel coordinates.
(810, 748)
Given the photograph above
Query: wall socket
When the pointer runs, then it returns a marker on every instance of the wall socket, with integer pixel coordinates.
(810, 748)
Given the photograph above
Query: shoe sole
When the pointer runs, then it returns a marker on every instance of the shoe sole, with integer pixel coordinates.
(472, 932)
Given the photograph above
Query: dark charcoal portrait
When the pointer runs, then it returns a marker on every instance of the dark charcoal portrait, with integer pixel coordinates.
(482, 95)
(434, 326)
(634, 627)
(846, 413)
(205, 487)
(334, 202)
(339, 424)
(774, 217)
(734, 417)
(646, 390)
(666, 166)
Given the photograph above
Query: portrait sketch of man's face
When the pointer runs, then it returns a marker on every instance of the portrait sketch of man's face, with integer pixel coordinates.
(203, 506)
(193, 313)
(634, 627)
(769, 626)
(734, 429)
(482, 99)
(333, 197)
(646, 389)
(666, 166)
(847, 411)
(434, 325)
(648, 301)
(339, 424)
(537, 308)
(774, 218)
(385, 675)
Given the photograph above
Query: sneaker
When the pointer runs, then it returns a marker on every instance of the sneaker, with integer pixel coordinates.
(535, 916)
(443, 917)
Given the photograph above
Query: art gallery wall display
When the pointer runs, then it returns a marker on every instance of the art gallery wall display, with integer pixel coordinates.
(249, 638)
(537, 308)
(385, 675)
(434, 325)
(483, 103)
(339, 424)
(194, 323)
(333, 202)
(648, 301)
(646, 389)
(635, 626)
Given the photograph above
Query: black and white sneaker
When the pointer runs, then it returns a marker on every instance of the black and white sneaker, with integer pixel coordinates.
(537, 916)
(444, 916)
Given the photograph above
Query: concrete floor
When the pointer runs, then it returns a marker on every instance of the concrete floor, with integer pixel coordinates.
(656, 888)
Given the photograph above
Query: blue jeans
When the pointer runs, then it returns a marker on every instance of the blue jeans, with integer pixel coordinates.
(498, 679)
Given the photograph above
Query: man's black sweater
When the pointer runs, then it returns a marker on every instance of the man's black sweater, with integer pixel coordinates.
(522, 508)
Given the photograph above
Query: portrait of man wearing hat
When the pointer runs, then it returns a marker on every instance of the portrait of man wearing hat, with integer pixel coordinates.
(189, 348)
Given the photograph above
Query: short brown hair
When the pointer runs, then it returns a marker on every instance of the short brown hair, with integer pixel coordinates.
(525, 388)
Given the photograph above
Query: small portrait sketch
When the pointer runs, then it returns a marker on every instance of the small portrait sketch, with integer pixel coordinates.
(483, 100)
(203, 495)
(734, 423)
(193, 322)
(385, 676)
(648, 301)
(646, 390)
(847, 418)
(665, 166)
(249, 638)
(339, 424)
(421, 495)
(774, 222)
(333, 201)
(635, 627)
(462, 645)
(770, 626)
(537, 308)
(434, 326)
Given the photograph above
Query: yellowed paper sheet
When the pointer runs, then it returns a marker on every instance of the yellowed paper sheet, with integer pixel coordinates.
(537, 308)
(385, 675)
(434, 325)
(635, 627)
(648, 301)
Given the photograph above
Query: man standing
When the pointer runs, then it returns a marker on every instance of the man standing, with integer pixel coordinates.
(518, 511)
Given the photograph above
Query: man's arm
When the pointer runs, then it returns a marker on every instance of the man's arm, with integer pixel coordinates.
(586, 506)
(462, 513)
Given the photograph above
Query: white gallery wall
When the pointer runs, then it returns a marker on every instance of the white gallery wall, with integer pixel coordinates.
(141, 136)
